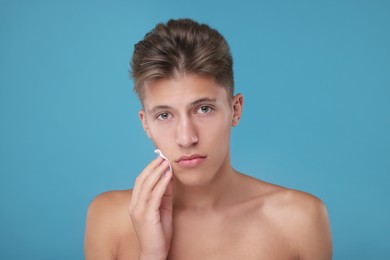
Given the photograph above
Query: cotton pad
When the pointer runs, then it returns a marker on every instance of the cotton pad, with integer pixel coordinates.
(165, 158)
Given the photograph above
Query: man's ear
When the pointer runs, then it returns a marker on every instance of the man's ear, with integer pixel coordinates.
(237, 103)
(142, 117)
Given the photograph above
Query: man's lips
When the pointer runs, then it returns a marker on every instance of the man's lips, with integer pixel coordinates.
(190, 161)
(190, 157)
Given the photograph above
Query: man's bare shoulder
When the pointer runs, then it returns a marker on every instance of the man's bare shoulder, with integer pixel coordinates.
(301, 217)
(293, 201)
(107, 223)
(275, 198)
(112, 199)
(110, 205)
(305, 220)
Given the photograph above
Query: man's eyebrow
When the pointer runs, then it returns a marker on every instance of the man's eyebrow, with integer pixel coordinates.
(194, 103)
(203, 100)
(158, 108)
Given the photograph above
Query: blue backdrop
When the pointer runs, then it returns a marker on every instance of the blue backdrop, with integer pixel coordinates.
(316, 80)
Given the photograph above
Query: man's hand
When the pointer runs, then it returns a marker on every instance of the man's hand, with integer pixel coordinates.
(150, 209)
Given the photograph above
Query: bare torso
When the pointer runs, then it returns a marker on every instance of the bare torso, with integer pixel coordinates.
(268, 224)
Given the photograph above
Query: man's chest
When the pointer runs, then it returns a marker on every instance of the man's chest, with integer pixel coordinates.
(231, 236)
(228, 238)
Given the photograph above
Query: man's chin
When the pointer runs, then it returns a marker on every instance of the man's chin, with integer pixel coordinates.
(192, 177)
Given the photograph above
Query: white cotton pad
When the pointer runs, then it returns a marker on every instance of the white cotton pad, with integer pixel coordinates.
(165, 158)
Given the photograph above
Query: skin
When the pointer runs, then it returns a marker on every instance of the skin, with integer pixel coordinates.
(208, 210)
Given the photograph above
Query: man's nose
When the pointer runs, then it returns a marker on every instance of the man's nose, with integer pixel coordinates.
(186, 133)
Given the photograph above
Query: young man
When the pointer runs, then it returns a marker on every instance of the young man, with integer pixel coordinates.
(202, 208)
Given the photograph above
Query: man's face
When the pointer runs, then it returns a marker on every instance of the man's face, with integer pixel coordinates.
(189, 120)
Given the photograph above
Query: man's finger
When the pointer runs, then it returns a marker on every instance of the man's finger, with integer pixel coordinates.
(151, 182)
(159, 190)
(149, 169)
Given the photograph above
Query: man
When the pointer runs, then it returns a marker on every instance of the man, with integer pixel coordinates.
(203, 208)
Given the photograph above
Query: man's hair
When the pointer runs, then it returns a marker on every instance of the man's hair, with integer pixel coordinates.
(178, 47)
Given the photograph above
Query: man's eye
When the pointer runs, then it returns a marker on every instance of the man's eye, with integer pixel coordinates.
(163, 116)
(205, 109)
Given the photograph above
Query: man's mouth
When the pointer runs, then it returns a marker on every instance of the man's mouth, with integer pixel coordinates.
(191, 161)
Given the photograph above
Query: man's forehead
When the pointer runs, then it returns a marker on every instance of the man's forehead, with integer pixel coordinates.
(183, 90)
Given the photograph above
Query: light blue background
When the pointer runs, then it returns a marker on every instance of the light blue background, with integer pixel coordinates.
(315, 74)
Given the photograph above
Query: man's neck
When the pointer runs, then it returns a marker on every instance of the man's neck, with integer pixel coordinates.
(209, 196)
